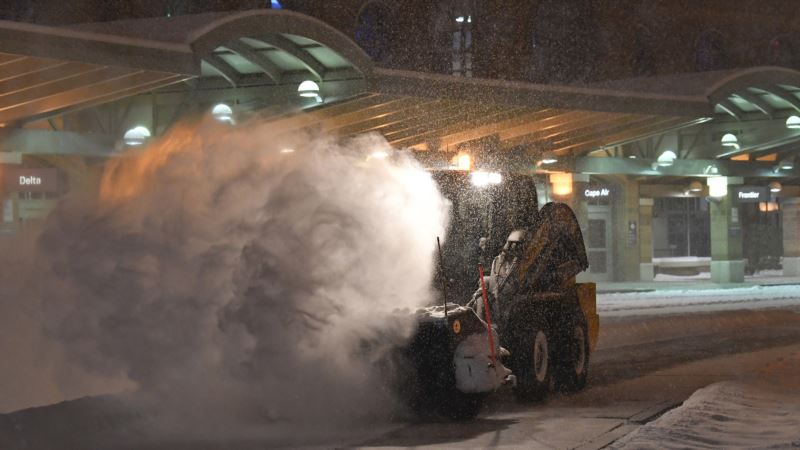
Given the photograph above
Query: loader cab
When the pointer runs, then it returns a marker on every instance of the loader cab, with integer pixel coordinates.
(491, 212)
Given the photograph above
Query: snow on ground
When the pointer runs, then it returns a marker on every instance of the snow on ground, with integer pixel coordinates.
(730, 414)
(761, 274)
(684, 300)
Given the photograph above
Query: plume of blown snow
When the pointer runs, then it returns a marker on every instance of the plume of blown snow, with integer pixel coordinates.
(222, 273)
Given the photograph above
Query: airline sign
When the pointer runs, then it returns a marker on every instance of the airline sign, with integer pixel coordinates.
(750, 194)
(18, 179)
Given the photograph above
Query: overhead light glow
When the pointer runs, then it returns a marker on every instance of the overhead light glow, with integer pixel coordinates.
(460, 19)
(136, 136)
(562, 183)
(768, 206)
(223, 113)
(287, 150)
(308, 88)
(275, 4)
(730, 140)
(717, 186)
(787, 164)
(667, 158)
(481, 179)
(378, 154)
(549, 158)
(793, 122)
(775, 187)
(464, 161)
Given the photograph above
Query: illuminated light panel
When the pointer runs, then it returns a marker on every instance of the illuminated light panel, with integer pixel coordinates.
(717, 186)
(562, 183)
(481, 179)
(464, 161)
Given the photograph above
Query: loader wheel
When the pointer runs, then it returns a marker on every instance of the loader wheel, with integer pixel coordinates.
(573, 367)
(533, 366)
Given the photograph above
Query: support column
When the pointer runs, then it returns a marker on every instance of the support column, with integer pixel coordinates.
(646, 269)
(790, 208)
(626, 232)
(727, 265)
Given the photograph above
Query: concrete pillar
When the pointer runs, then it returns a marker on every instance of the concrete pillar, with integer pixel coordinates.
(626, 231)
(646, 269)
(727, 265)
(790, 208)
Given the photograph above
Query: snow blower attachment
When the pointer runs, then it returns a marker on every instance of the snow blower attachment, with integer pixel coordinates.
(546, 320)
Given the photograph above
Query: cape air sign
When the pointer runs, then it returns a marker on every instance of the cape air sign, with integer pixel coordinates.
(750, 194)
(593, 192)
(30, 180)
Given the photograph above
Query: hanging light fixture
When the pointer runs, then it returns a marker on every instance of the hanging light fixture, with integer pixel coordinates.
(136, 136)
(308, 88)
(730, 140)
(793, 122)
(787, 164)
(695, 186)
(223, 113)
(775, 187)
(666, 159)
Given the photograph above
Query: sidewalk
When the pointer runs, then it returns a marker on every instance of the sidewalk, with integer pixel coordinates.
(697, 282)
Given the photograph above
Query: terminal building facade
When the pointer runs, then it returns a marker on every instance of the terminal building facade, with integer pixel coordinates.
(677, 157)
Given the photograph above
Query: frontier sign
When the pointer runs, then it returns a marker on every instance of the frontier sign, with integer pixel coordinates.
(750, 194)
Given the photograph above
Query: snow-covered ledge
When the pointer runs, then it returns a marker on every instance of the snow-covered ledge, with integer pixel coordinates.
(727, 271)
(646, 272)
(791, 266)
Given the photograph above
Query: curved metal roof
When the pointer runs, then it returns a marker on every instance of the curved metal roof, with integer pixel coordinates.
(253, 47)
(45, 71)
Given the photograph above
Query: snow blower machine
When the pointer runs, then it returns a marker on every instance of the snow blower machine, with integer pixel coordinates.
(543, 324)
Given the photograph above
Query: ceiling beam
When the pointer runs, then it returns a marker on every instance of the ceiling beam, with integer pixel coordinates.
(370, 113)
(258, 59)
(782, 94)
(23, 67)
(758, 102)
(283, 43)
(109, 89)
(591, 123)
(636, 130)
(223, 68)
(495, 125)
(731, 109)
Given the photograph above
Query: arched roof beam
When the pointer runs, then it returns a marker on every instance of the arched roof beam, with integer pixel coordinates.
(263, 22)
(731, 109)
(223, 68)
(782, 94)
(282, 43)
(258, 59)
(758, 102)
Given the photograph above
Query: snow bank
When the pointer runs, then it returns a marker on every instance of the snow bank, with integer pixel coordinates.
(700, 299)
(725, 415)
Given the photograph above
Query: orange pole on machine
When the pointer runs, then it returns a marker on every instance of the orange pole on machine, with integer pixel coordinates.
(488, 315)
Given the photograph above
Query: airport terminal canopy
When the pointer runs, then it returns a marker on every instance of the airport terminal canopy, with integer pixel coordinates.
(46, 71)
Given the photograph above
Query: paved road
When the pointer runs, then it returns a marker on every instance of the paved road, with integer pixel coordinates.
(644, 365)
